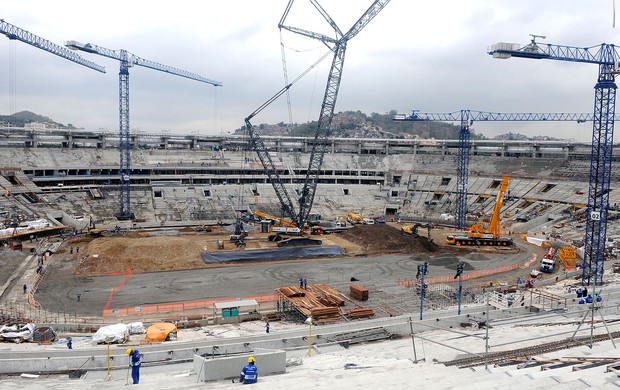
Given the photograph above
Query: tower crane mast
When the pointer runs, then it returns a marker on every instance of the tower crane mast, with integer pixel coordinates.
(467, 119)
(16, 33)
(606, 57)
(128, 60)
(338, 47)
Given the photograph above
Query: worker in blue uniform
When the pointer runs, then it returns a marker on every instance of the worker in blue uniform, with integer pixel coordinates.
(249, 373)
(134, 363)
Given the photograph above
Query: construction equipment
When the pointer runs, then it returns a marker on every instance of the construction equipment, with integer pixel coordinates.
(354, 218)
(93, 230)
(338, 47)
(607, 58)
(467, 119)
(16, 33)
(547, 264)
(128, 60)
(479, 234)
(413, 229)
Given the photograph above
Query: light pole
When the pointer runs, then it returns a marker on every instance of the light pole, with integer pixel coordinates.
(309, 322)
(422, 271)
(459, 274)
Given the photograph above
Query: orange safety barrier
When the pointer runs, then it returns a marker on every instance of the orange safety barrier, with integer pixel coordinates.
(181, 306)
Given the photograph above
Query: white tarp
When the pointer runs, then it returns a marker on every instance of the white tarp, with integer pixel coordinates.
(535, 240)
(17, 334)
(117, 333)
(136, 328)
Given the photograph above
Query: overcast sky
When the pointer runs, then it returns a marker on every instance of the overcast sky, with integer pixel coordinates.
(425, 55)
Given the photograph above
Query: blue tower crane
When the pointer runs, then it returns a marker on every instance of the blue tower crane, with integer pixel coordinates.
(606, 57)
(16, 33)
(127, 60)
(467, 118)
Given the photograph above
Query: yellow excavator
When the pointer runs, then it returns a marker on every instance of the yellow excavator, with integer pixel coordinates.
(489, 235)
(413, 229)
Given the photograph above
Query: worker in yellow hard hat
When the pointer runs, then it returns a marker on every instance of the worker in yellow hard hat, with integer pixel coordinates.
(249, 373)
(134, 362)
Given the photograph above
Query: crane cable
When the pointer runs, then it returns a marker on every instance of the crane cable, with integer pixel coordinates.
(288, 93)
(12, 77)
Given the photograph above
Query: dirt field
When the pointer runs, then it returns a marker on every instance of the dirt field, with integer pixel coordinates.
(177, 250)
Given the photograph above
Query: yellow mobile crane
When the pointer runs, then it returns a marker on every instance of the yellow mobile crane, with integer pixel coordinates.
(490, 235)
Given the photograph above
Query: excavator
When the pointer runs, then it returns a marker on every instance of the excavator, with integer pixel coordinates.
(488, 235)
(413, 230)
(354, 218)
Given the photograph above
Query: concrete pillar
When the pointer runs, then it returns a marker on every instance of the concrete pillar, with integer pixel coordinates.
(359, 147)
(504, 147)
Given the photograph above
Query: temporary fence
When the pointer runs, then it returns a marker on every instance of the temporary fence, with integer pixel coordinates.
(179, 307)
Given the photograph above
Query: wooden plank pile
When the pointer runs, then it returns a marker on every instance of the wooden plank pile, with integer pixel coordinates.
(323, 303)
(360, 313)
(358, 292)
(325, 314)
(292, 291)
(327, 295)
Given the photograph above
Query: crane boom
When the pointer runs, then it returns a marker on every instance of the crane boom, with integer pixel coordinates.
(127, 60)
(323, 131)
(16, 33)
(467, 118)
(607, 58)
(132, 59)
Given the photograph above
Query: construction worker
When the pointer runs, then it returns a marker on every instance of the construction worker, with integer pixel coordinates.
(267, 327)
(69, 343)
(134, 363)
(249, 373)
(25, 288)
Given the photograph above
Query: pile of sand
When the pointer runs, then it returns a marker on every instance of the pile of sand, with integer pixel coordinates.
(107, 255)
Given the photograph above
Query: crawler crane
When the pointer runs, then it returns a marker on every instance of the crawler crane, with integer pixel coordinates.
(305, 197)
(490, 235)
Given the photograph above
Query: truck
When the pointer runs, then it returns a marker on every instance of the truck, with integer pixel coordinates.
(547, 264)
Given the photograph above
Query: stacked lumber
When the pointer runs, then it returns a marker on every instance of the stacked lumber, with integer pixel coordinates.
(358, 292)
(292, 291)
(323, 314)
(360, 313)
(330, 300)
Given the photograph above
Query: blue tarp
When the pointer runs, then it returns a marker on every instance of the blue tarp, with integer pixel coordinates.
(273, 254)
